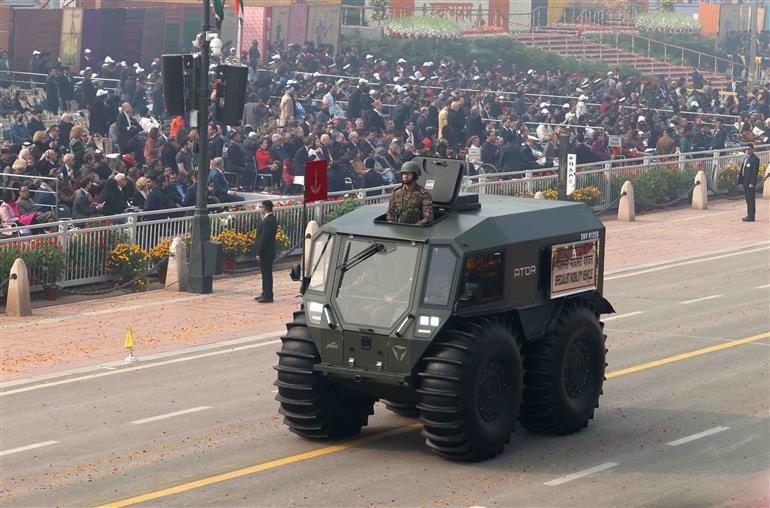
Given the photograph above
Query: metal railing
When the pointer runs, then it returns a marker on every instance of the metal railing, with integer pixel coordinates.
(87, 242)
(671, 52)
(32, 80)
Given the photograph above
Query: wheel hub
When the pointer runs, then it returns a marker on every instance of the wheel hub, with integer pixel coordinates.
(491, 391)
(577, 369)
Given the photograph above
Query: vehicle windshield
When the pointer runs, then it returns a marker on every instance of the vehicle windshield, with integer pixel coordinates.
(319, 262)
(377, 282)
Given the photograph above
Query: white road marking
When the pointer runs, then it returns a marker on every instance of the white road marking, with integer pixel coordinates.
(711, 297)
(170, 415)
(28, 447)
(699, 435)
(619, 316)
(581, 474)
(763, 287)
(683, 263)
(138, 367)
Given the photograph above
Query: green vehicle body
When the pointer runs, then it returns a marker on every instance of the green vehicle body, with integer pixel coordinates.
(372, 342)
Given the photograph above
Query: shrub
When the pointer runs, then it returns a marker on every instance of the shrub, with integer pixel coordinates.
(44, 258)
(234, 244)
(347, 205)
(128, 261)
(728, 177)
(591, 196)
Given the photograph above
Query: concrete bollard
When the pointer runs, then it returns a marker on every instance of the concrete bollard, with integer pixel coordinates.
(18, 300)
(539, 195)
(766, 188)
(310, 231)
(626, 210)
(700, 194)
(176, 272)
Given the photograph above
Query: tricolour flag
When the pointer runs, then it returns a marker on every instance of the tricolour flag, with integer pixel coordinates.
(219, 11)
(239, 10)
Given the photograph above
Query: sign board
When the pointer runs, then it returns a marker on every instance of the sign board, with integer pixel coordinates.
(615, 141)
(316, 185)
(571, 173)
(574, 267)
(474, 155)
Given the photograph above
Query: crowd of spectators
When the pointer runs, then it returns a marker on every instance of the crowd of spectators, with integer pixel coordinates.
(365, 114)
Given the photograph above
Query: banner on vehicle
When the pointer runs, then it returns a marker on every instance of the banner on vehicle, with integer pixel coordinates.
(574, 267)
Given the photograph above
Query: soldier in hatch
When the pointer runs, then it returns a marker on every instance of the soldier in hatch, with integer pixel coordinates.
(410, 203)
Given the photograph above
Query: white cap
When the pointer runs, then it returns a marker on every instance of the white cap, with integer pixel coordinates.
(544, 111)
(401, 60)
(396, 79)
(108, 60)
(583, 98)
(361, 81)
(35, 52)
(695, 103)
(369, 57)
(291, 82)
(476, 78)
(340, 81)
(253, 134)
(275, 57)
(566, 105)
(427, 64)
(101, 92)
(399, 89)
(641, 119)
(87, 51)
(531, 71)
(123, 63)
(82, 73)
(139, 69)
(376, 76)
(372, 92)
(136, 65)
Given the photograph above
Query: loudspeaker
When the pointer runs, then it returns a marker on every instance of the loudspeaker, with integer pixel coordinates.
(173, 84)
(192, 71)
(234, 78)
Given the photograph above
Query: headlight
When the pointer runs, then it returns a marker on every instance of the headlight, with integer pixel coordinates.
(426, 325)
(314, 312)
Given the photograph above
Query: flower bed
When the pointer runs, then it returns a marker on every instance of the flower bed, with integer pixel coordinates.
(664, 21)
(422, 27)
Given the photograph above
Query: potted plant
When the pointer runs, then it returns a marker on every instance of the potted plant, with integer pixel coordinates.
(159, 258)
(47, 263)
(234, 244)
(128, 261)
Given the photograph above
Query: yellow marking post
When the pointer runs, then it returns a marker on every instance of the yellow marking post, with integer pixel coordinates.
(684, 356)
(178, 489)
(129, 344)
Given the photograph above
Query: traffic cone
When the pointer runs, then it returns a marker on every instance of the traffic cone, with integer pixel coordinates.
(129, 345)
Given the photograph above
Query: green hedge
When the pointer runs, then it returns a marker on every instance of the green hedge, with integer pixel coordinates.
(487, 50)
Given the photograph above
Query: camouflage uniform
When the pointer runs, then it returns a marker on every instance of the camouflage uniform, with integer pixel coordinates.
(410, 207)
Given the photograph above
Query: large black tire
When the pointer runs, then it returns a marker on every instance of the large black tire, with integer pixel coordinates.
(564, 374)
(470, 389)
(311, 405)
(405, 409)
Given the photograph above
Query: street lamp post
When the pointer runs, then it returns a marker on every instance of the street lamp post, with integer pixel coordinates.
(199, 281)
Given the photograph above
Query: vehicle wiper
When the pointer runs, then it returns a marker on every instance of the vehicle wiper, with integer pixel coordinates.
(320, 257)
(360, 257)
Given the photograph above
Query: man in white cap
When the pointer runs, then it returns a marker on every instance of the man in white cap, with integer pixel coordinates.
(85, 59)
(97, 119)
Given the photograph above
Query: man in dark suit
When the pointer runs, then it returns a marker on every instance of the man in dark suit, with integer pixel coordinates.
(719, 137)
(128, 128)
(218, 183)
(264, 246)
(748, 178)
(510, 158)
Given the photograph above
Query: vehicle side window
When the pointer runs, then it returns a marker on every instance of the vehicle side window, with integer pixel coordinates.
(439, 284)
(482, 279)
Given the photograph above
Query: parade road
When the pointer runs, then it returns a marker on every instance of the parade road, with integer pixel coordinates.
(684, 420)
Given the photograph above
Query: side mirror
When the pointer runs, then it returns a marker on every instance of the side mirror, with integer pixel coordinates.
(470, 290)
(296, 273)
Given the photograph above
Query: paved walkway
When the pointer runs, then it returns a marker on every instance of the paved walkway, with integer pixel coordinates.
(75, 333)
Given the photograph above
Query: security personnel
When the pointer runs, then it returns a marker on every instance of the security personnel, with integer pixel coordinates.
(748, 177)
(410, 203)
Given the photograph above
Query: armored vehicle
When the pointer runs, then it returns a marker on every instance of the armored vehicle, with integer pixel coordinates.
(486, 316)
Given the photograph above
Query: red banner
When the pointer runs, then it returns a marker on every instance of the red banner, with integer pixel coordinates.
(316, 188)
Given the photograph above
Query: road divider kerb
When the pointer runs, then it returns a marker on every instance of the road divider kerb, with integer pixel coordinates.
(292, 459)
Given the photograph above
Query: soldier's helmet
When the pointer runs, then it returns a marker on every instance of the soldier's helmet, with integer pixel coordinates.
(411, 167)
